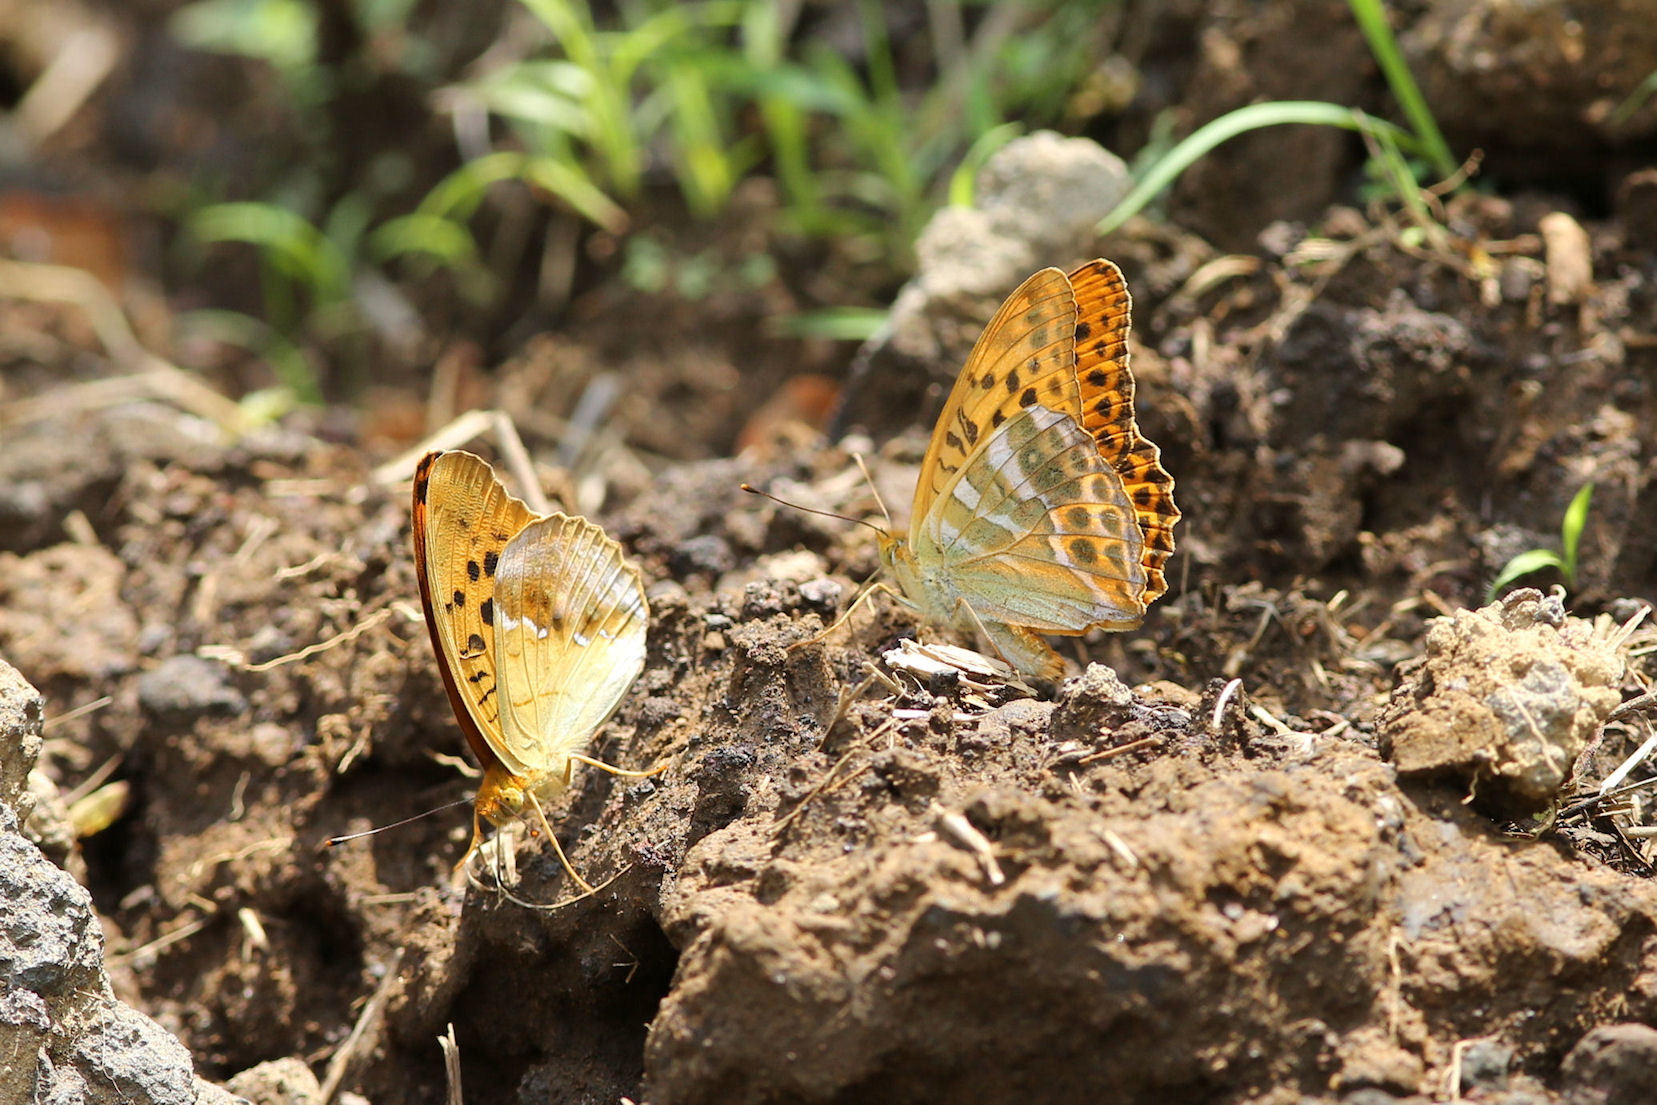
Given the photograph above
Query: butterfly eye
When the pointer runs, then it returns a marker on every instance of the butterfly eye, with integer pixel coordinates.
(512, 799)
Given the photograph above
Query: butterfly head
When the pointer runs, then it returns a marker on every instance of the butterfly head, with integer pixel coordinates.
(503, 796)
(898, 559)
(892, 549)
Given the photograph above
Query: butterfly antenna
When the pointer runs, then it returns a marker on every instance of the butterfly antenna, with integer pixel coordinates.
(881, 503)
(334, 841)
(752, 490)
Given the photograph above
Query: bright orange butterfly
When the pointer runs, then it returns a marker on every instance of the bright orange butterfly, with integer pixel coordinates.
(539, 628)
(1040, 507)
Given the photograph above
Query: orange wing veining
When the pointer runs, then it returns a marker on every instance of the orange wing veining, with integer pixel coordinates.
(1103, 309)
(463, 519)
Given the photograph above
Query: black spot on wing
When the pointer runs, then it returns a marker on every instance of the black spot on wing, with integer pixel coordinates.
(953, 441)
(460, 598)
(1082, 331)
(997, 419)
(1098, 378)
(474, 646)
(1028, 399)
(487, 612)
(1012, 381)
(490, 559)
(472, 570)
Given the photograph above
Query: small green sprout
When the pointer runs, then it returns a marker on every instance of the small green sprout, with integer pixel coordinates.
(1564, 562)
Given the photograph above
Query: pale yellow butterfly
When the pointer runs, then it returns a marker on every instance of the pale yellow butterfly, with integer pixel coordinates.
(1040, 507)
(539, 628)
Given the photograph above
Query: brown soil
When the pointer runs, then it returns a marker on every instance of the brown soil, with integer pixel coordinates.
(1325, 883)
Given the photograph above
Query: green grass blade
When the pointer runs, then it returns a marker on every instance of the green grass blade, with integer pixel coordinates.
(444, 240)
(1570, 529)
(835, 323)
(571, 184)
(1635, 101)
(285, 239)
(1230, 125)
(287, 362)
(1372, 20)
(458, 195)
(963, 182)
(1531, 560)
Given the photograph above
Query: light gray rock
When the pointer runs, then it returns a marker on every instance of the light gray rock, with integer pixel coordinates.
(64, 1038)
(1038, 199)
(20, 717)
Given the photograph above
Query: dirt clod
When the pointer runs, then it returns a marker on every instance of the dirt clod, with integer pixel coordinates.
(1615, 1064)
(1505, 701)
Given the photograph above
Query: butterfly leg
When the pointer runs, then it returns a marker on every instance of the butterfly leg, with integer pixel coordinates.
(472, 849)
(1018, 646)
(552, 838)
(576, 757)
(841, 620)
(1027, 652)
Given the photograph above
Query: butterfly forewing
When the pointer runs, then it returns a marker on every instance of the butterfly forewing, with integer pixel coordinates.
(463, 521)
(570, 619)
(1026, 356)
(1107, 390)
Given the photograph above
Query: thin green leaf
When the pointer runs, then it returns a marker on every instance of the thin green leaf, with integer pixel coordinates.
(963, 182)
(458, 195)
(1230, 125)
(444, 240)
(287, 361)
(835, 323)
(1635, 101)
(1531, 560)
(570, 183)
(285, 238)
(1372, 20)
(1570, 529)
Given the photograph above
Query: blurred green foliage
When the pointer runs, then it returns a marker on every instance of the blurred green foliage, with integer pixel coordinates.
(862, 129)
(863, 140)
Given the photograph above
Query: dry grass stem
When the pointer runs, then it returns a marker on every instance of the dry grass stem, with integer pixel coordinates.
(340, 1063)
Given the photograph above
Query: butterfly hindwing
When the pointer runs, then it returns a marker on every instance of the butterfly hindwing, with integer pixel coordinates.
(571, 622)
(1107, 392)
(1025, 356)
(463, 521)
(1036, 531)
